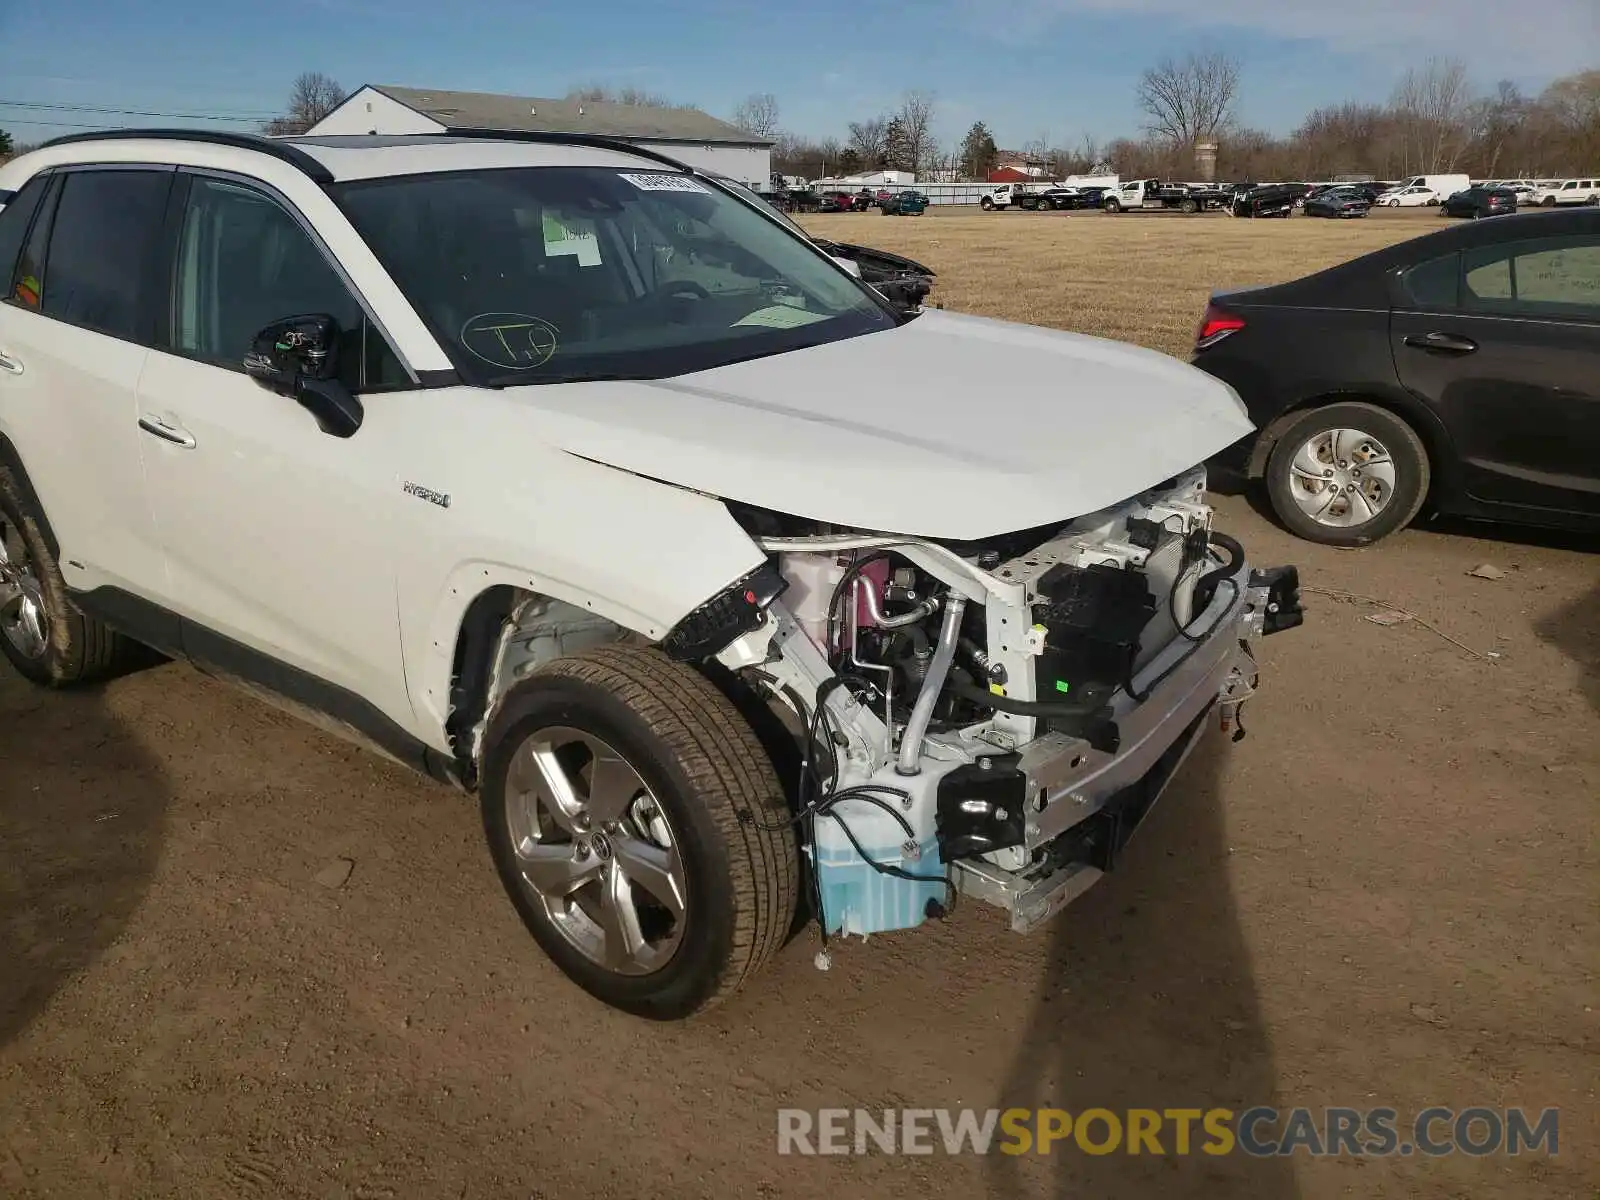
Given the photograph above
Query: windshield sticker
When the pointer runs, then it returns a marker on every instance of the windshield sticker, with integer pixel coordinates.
(665, 183)
(781, 316)
(571, 235)
(514, 341)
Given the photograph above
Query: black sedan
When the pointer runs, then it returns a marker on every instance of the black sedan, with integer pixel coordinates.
(1337, 203)
(1480, 202)
(1458, 371)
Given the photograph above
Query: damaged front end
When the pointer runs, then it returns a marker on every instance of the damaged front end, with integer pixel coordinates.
(990, 718)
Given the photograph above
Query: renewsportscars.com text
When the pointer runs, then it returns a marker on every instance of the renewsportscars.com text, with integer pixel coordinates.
(1259, 1132)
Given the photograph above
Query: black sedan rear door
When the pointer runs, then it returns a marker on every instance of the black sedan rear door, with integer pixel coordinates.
(1503, 340)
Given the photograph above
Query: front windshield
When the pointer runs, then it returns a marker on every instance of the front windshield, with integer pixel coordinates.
(553, 274)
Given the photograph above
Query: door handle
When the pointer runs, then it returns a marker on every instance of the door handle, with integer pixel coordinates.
(167, 432)
(1443, 343)
(7, 363)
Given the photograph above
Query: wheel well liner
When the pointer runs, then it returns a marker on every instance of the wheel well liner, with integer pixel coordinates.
(469, 671)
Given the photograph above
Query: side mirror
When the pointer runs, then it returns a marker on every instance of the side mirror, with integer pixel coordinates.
(298, 357)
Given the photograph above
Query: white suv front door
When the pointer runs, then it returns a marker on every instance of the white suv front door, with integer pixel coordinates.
(278, 537)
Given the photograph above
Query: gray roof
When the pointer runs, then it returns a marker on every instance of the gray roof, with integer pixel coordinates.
(486, 110)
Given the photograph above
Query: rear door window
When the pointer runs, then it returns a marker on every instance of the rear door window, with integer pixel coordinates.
(1541, 277)
(1433, 284)
(14, 221)
(104, 242)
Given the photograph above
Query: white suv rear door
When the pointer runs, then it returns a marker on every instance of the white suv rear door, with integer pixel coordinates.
(74, 325)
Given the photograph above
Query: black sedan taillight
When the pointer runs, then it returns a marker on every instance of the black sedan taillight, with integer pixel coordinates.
(1217, 324)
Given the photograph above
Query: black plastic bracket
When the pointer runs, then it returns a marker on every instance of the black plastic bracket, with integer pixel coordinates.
(1283, 598)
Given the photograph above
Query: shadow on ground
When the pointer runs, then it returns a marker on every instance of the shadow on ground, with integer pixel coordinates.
(1575, 631)
(82, 807)
(1150, 1003)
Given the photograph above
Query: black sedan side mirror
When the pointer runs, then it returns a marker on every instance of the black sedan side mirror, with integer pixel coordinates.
(299, 357)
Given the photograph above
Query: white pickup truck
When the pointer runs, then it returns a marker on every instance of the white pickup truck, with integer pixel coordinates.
(580, 481)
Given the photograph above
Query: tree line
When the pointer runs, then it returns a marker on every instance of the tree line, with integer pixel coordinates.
(1436, 119)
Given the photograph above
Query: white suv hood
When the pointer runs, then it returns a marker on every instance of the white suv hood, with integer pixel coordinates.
(949, 426)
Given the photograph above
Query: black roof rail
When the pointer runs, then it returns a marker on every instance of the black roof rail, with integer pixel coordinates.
(285, 151)
(596, 140)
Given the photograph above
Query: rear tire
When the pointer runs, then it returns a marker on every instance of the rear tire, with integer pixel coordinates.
(42, 632)
(701, 772)
(1188, 206)
(1294, 490)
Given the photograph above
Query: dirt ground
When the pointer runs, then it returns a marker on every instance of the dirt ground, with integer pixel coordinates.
(1386, 895)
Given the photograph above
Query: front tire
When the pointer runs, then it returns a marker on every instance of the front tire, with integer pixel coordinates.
(42, 633)
(640, 830)
(1112, 206)
(986, 204)
(1347, 474)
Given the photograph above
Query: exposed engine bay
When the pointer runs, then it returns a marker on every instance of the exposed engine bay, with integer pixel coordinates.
(990, 718)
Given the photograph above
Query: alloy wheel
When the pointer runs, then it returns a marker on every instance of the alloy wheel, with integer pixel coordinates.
(22, 617)
(1342, 477)
(596, 850)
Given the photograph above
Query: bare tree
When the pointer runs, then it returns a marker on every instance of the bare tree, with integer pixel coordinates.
(867, 140)
(1190, 99)
(1432, 104)
(604, 93)
(758, 115)
(312, 97)
(1572, 115)
(916, 124)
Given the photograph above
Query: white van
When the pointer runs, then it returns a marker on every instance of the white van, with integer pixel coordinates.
(1442, 186)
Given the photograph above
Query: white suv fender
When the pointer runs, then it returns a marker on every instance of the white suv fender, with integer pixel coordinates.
(643, 557)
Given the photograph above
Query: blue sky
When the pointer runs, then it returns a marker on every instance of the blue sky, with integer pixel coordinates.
(1059, 69)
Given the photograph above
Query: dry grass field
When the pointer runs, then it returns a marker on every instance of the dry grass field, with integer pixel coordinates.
(241, 959)
(1137, 277)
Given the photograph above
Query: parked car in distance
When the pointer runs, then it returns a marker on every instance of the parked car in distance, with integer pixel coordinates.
(1583, 190)
(1337, 202)
(1266, 200)
(1049, 199)
(832, 202)
(1478, 202)
(905, 204)
(1455, 370)
(1414, 196)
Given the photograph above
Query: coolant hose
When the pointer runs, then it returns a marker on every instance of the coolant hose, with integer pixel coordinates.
(1026, 708)
(1206, 585)
(944, 657)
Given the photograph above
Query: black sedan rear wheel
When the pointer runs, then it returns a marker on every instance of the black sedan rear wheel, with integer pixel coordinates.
(1347, 474)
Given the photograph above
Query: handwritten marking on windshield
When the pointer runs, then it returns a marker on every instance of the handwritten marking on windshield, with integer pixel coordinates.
(514, 341)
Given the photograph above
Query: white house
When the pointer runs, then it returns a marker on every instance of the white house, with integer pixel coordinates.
(686, 134)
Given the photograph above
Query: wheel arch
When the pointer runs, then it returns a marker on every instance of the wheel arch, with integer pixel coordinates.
(11, 462)
(505, 631)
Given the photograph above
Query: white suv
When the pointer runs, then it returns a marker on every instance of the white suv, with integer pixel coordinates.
(576, 479)
(1568, 191)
